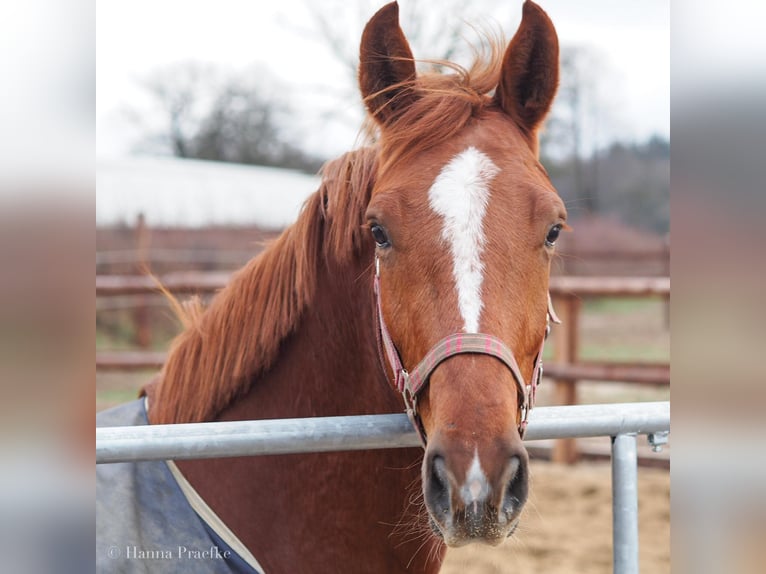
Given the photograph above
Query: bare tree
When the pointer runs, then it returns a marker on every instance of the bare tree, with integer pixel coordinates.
(435, 33)
(572, 131)
(180, 95)
(204, 113)
(240, 126)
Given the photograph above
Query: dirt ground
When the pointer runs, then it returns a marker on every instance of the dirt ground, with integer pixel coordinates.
(567, 526)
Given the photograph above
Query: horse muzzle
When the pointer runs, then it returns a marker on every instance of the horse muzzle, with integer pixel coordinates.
(477, 508)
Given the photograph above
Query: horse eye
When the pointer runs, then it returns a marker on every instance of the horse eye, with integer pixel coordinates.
(380, 236)
(553, 235)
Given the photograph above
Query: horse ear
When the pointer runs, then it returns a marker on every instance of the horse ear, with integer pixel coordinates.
(530, 73)
(386, 66)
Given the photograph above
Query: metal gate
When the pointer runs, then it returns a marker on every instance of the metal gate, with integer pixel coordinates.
(623, 422)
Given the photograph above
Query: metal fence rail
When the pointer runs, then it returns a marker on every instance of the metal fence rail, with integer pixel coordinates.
(285, 436)
(622, 422)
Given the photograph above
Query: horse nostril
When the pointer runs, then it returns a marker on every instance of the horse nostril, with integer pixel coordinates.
(437, 489)
(517, 487)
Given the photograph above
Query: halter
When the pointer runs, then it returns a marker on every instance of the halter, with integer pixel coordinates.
(411, 383)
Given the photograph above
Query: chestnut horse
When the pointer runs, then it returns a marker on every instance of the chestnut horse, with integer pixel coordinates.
(451, 216)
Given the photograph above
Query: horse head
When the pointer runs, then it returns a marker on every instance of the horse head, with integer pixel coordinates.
(465, 219)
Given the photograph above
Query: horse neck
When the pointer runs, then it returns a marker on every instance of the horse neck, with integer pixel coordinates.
(329, 366)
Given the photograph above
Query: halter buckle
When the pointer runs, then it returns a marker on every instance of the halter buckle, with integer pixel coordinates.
(410, 398)
(523, 428)
(539, 374)
(552, 312)
(523, 419)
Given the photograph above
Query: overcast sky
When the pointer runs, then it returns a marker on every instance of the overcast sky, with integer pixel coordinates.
(632, 38)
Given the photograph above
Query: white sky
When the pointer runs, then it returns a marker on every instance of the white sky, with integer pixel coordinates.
(633, 37)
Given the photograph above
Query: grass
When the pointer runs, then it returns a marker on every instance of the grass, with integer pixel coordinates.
(112, 397)
(116, 330)
(114, 388)
(624, 330)
(114, 341)
(620, 305)
(617, 352)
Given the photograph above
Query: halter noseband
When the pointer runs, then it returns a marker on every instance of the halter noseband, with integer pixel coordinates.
(411, 383)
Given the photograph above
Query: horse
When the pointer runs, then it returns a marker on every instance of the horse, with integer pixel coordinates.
(415, 279)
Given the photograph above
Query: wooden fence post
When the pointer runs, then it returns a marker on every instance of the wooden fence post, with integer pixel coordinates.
(565, 351)
(141, 319)
(666, 272)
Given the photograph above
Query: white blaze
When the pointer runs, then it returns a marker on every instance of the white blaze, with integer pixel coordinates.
(460, 195)
(476, 488)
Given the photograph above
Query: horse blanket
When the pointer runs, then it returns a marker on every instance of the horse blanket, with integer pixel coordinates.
(149, 519)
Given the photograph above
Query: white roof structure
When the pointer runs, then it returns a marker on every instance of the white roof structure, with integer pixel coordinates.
(176, 192)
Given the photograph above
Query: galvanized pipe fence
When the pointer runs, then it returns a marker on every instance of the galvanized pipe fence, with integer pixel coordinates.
(622, 422)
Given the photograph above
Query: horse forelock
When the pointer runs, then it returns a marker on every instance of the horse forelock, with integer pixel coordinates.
(225, 347)
(444, 104)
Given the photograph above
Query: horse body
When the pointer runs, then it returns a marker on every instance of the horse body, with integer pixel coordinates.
(452, 218)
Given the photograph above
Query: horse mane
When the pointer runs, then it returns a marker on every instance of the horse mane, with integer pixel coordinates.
(444, 104)
(226, 346)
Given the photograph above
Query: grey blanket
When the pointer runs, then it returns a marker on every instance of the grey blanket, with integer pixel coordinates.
(145, 523)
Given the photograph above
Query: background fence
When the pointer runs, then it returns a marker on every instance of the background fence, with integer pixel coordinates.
(565, 369)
